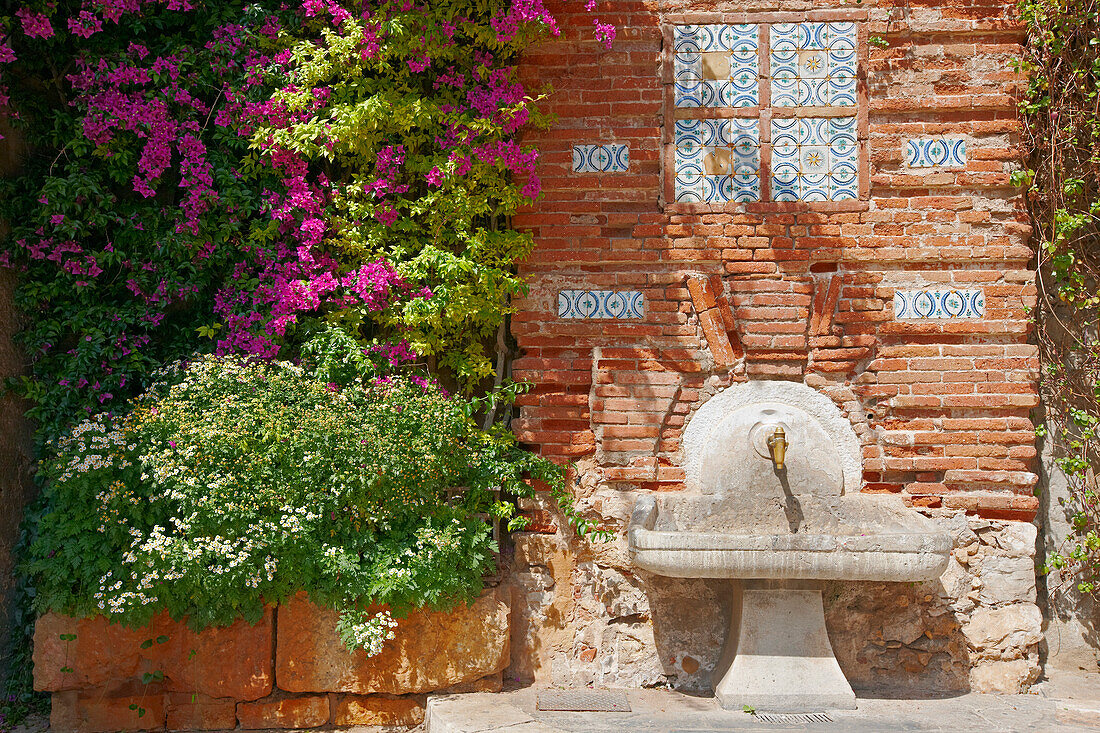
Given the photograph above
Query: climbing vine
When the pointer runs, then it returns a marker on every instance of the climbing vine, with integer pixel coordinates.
(1062, 182)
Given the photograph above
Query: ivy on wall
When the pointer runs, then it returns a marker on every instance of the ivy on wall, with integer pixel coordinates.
(1062, 183)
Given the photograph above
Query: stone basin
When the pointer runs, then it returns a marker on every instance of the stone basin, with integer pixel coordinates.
(781, 525)
(858, 537)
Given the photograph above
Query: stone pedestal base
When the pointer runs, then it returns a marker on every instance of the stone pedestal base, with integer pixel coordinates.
(783, 661)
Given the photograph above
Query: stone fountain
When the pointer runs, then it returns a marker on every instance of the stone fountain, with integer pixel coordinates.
(773, 470)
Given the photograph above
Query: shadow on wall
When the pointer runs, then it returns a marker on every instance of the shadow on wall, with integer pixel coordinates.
(897, 639)
(891, 639)
(1071, 620)
(690, 617)
(15, 438)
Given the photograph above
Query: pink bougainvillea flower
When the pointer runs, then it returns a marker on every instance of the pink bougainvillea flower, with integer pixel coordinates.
(85, 24)
(35, 25)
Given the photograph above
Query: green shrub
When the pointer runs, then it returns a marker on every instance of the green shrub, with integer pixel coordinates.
(236, 483)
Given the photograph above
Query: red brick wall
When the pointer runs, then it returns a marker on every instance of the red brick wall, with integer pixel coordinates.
(789, 291)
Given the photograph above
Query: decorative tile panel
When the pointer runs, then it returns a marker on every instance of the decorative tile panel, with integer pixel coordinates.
(593, 304)
(934, 152)
(814, 159)
(717, 160)
(912, 305)
(608, 158)
(813, 64)
(716, 65)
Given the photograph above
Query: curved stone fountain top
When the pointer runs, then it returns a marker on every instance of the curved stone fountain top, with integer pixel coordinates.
(783, 528)
(744, 518)
(824, 443)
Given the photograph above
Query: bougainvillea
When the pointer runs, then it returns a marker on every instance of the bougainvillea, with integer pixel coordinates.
(229, 176)
(237, 178)
(391, 128)
(130, 213)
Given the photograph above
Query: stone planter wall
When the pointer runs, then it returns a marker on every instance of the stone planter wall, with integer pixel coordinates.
(290, 670)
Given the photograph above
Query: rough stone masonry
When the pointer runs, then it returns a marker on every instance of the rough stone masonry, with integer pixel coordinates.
(808, 192)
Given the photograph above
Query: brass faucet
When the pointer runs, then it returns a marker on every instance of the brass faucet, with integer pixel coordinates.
(778, 444)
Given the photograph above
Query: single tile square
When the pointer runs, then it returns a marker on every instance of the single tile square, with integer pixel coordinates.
(813, 92)
(740, 188)
(717, 161)
(812, 35)
(689, 162)
(840, 62)
(715, 65)
(841, 91)
(686, 67)
(689, 94)
(709, 93)
(813, 160)
(784, 190)
(785, 94)
(815, 130)
(845, 162)
(841, 35)
(618, 156)
(744, 132)
(786, 131)
(842, 129)
(712, 189)
(580, 159)
(715, 133)
(785, 162)
(785, 37)
(843, 187)
(689, 187)
(734, 95)
(712, 38)
(813, 187)
(743, 39)
(745, 162)
(685, 39)
(813, 64)
(689, 133)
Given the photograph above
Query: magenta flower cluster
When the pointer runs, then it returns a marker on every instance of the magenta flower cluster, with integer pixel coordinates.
(168, 116)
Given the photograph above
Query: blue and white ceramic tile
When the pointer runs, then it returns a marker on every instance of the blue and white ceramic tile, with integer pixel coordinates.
(813, 64)
(733, 48)
(717, 160)
(814, 159)
(936, 152)
(607, 158)
(913, 305)
(843, 187)
(600, 304)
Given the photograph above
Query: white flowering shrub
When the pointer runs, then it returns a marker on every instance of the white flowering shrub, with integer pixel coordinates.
(232, 484)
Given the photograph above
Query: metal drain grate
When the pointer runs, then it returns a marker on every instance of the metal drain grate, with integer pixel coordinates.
(793, 718)
(583, 701)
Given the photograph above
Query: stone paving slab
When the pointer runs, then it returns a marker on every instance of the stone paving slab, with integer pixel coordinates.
(661, 711)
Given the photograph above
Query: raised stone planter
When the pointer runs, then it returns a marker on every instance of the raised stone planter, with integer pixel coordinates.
(290, 670)
(431, 652)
